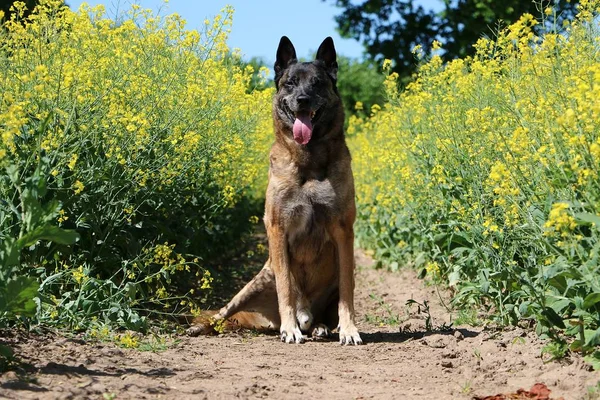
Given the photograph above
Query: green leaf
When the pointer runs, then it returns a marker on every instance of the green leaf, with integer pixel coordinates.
(9, 253)
(560, 304)
(593, 359)
(591, 300)
(420, 260)
(524, 308)
(17, 296)
(453, 278)
(13, 173)
(592, 338)
(48, 232)
(588, 218)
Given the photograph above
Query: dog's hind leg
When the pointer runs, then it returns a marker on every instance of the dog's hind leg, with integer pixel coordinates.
(263, 282)
(255, 306)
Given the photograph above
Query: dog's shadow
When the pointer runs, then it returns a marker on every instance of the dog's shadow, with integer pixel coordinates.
(401, 337)
(385, 337)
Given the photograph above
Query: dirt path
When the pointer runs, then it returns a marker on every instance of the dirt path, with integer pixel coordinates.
(412, 364)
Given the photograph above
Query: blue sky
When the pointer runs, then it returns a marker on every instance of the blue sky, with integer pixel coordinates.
(259, 24)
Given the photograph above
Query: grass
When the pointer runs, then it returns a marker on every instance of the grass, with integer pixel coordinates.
(384, 314)
(467, 317)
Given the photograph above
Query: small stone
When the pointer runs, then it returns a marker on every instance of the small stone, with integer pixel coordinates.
(447, 364)
(458, 335)
(9, 376)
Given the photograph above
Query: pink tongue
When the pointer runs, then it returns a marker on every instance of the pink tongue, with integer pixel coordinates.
(302, 128)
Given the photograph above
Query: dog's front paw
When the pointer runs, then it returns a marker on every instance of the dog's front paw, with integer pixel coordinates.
(350, 335)
(291, 334)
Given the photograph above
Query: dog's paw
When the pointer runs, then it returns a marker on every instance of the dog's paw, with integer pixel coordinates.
(321, 331)
(305, 319)
(292, 334)
(350, 336)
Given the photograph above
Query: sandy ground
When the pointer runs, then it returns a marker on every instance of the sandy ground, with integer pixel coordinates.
(400, 360)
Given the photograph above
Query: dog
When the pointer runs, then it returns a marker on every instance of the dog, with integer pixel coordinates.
(307, 284)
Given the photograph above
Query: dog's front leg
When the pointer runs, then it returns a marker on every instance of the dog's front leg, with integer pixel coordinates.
(343, 235)
(285, 283)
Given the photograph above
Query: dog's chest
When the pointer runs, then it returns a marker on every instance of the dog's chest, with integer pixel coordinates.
(312, 199)
(307, 208)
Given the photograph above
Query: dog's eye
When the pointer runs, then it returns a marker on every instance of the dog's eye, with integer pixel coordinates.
(315, 81)
(291, 83)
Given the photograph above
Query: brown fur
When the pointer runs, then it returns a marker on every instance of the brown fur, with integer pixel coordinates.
(307, 285)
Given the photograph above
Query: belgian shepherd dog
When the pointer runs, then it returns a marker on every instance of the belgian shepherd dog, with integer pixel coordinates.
(307, 284)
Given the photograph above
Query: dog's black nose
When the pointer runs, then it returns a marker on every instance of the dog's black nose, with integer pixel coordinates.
(303, 100)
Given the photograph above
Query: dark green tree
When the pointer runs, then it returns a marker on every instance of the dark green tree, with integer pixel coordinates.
(359, 81)
(391, 28)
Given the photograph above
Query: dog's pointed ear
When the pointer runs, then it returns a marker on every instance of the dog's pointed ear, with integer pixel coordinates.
(326, 54)
(286, 56)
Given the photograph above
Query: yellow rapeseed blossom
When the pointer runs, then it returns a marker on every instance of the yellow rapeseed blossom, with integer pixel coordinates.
(78, 275)
(480, 145)
(78, 187)
(559, 220)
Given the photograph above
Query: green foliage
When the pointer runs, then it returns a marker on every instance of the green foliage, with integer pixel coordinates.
(360, 84)
(424, 309)
(390, 29)
(18, 290)
(260, 70)
(25, 223)
(143, 140)
(483, 174)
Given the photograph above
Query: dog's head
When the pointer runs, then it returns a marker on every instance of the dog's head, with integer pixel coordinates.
(307, 100)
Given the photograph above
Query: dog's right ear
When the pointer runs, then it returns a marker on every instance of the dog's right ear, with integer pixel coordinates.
(286, 56)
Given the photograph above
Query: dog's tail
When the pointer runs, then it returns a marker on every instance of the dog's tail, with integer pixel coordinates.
(203, 324)
(206, 324)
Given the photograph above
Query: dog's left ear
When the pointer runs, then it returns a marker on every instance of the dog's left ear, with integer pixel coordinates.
(326, 54)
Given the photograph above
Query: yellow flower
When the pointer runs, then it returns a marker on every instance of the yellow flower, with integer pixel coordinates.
(73, 161)
(206, 281)
(128, 341)
(62, 217)
(387, 64)
(78, 187)
(559, 220)
(78, 275)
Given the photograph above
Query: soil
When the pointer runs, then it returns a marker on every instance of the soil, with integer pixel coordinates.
(401, 359)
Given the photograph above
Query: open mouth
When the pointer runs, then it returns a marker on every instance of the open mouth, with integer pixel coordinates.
(303, 122)
(312, 114)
